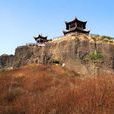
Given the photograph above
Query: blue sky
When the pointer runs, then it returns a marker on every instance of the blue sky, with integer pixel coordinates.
(20, 20)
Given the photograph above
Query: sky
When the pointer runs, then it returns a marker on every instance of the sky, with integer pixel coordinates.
(20, 20)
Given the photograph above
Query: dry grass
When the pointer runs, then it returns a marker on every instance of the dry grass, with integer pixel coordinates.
(38, 89)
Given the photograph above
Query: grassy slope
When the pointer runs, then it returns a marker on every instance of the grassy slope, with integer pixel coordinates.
(51, 89)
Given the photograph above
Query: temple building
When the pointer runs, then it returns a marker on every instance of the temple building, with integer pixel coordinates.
(76, 26)
(40, 39)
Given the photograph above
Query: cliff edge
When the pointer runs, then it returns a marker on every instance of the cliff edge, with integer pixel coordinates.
(85, 54)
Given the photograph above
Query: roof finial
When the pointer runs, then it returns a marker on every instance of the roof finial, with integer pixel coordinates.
(75, 18)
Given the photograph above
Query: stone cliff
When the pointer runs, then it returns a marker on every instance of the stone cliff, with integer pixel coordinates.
(82, 53)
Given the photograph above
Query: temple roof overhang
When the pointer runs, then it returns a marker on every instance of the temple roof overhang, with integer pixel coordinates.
(75, 20)
(40, 37)
(76, 29)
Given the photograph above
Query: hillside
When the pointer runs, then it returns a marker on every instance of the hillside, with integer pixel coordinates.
(72, 74)
(85, 54)
(52, 89)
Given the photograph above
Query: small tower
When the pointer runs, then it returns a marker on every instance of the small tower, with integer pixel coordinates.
(40, 39)
(76, 26)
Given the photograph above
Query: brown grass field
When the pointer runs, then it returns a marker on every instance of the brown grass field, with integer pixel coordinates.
(51, 89)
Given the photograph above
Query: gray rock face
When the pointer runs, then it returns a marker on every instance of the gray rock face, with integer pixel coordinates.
(6, 61)
(72, 51)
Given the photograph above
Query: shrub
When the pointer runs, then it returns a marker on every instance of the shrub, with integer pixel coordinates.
(107, 37)
(13, 94)
(95, 56)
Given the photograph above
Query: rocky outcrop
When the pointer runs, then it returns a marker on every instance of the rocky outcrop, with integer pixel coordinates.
(82, 53)
(6, 61)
